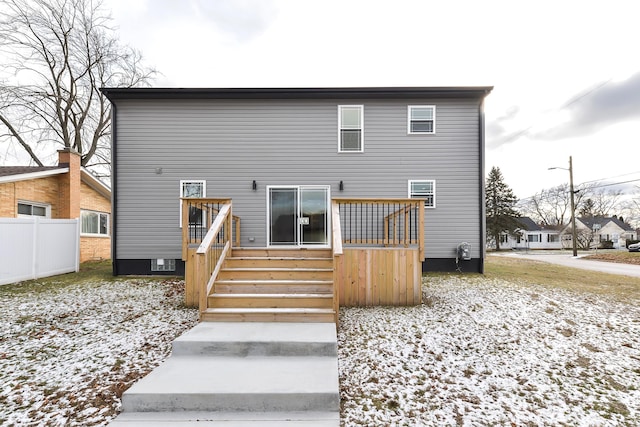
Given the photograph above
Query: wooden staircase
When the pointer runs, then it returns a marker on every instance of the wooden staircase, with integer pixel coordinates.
(282, 285)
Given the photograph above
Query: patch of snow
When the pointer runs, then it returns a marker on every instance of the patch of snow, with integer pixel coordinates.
(488, 352)
(477, 352)
(67, 354)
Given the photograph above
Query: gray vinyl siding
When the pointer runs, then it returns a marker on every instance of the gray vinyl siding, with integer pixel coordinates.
(230, 143)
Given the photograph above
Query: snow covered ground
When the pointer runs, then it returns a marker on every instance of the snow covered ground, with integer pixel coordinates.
(66, 354)
(482, 352)
(477, 352)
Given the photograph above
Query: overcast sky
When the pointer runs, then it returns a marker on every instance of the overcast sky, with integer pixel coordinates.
(566, 74)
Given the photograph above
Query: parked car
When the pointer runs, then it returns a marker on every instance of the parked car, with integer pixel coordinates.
(635, 247)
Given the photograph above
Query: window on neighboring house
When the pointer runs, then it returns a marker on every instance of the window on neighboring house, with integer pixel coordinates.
(553, 238)
(423, 190)
(193, 189)
(421, 119)
(94, 223)
(33, 209)
(350, 127)
(533, 238)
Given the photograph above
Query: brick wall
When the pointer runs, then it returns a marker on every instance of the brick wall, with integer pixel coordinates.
(42, 190)
(94, 247)
(69, 196)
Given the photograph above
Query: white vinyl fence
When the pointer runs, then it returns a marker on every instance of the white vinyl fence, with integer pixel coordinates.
(31, 248)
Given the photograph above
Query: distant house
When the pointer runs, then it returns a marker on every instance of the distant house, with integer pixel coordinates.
(66, 191)
(532, 236)
(601, 229)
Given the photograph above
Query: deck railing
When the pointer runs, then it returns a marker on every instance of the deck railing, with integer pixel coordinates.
(198, 215)
(381, 222)
(211, 253)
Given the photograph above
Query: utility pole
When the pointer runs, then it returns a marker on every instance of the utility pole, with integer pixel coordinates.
(574, 232)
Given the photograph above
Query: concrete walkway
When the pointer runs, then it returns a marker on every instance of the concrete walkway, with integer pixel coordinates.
(566, 259)
(232, 374)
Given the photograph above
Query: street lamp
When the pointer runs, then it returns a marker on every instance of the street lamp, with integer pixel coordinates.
(574, 233)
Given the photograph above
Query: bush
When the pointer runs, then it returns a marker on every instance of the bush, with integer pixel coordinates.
(606, 244)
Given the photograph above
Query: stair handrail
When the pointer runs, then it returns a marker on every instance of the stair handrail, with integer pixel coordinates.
(211, 209)
(212, 252)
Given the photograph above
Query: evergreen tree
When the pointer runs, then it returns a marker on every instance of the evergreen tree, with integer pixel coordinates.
(500, 202)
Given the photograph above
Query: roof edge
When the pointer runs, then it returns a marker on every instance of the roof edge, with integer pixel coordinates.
(297, 93)
(33, 175)
(93, 182)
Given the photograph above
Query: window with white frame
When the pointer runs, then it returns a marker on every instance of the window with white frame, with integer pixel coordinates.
(94, 223)
(26, 209)
(350, 128)
(421, 119)
(193, 189)
(423, 189)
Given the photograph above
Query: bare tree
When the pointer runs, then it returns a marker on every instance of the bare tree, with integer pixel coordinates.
(60, 52)
(549, 207)
(606, 202)
(630, 209)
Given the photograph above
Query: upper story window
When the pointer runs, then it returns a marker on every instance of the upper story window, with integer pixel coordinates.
(193, 189)
(421, 119)
(34, 209)
(350, 128)
(94, 223)
(425, 189)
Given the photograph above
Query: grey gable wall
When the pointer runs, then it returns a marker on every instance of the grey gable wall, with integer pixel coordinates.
(230, 143)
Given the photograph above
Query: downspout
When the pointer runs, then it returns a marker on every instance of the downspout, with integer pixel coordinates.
(114, 189)
(483, 210)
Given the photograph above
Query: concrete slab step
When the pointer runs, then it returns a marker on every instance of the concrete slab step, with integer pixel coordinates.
(257, 339)
(254, 384)
(227, 419)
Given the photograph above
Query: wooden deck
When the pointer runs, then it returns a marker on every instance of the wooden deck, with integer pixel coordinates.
(379, 265)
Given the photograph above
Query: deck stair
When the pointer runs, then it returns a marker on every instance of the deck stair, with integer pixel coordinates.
(262, 285)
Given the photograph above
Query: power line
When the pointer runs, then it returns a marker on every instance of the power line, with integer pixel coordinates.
(595, 186)
(611, 177)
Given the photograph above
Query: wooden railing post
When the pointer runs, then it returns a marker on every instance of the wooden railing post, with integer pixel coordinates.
(200, 277)
(336, 247)
(421, 231)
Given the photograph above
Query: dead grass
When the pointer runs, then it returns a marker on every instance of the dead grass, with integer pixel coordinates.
(551, 276)
(90, 272)
(623, 257)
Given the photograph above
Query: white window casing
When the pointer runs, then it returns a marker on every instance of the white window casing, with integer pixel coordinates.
(94, 223)
(29, 209)
(350, 128)
(421, 119)
(423, 189)
(192, 188)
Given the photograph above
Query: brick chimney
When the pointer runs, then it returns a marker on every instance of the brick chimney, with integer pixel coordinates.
(69, 184)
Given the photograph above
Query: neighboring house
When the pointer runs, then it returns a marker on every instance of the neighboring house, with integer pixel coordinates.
(601, 229)
(66, 191)
(532, 236)
(282, 155)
